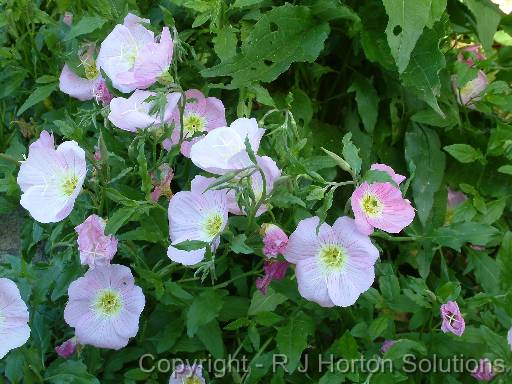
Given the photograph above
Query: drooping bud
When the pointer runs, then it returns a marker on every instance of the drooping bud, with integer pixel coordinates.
(275, 240)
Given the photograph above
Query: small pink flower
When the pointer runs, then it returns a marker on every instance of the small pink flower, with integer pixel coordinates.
(131, 57)
(475, 49)
(95, 247)
(455, 198)
(484, 371)
(334, 265)
(390, 171)
(274, 240)
(97, 154)
(201, 115)
(162, 183)
(51, 178)
(452, 319)
(78, 87)
(471, 91)
(386, 345)
(14, 317)
(104, 307)
(67, 349)
(186, 374)
(67, 18)
(274, 270)
(381, 205)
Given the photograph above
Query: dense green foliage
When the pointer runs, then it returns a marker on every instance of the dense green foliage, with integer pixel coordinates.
(366, 80)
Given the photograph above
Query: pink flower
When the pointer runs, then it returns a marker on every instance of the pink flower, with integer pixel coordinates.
(104, 307)
(67, 18)
(196, 216)
(275, 240)
(201, 115)
(134, 112)
(381, 205)
(455, 198)
(51, 179)
(386, 345)
(472, 90)
(102, 94)
(386, 168)
(163, 183)
(274, 270)
(333, 266)
(76, 86)
(484, 371)
(223, 149)
(186, 374)
(452, 319)
(67, 349)
(14, 317)
(95, 247)
(132, 58)
(475, 49)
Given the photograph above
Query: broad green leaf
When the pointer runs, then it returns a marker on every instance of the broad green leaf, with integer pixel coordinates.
(487, 21)
(351, 154)
(265, 303)
(69, 371)
(203, 310)
(455, 235)
(87, 24)
(504, 259)
(211, 336)
(120, 218)
(464, 153)
(38, 95)
(224, 44)
(422, 73)
(405, 25)
(422, 148)
(292, 338)
(367, 101)
(506, 169)
(377, 327)
(436, 11)
(282, 36)
(333, 10)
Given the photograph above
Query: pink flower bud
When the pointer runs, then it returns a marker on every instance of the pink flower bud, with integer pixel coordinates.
(67, 349)
(95, 247)
(484, 371)
(101, 93)
(274, 270)
(386, 345)
(275, 240)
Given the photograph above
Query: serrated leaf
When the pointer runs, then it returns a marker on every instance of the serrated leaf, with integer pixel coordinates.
(265, 303)
(464, 153)
(282, 36)
(292, 339)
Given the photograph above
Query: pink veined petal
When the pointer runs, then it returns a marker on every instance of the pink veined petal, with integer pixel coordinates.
(76, 86)
(186, 257)
(46, 204)
(312, 282)
(303, 243)
(14, 338)
(390, 171)
(132, 20)
(126, 323)
(249, 128)
(99, 332)
(346, 286)
(132, 113)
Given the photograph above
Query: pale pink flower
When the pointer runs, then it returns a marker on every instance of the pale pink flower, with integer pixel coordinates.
(67, 349)
(381, 205)
(95, 247)
(452, 319)
(201, 115)
(274, 240)
(162, 183)
(223, 149)
(186, 374)
(334, 266)
(386, 345)
(390, 171)
(78, 87)
(475, 49)
(196, 216)
(455, 198)
(274, 270)
(484, 371)
(131, 57)
(104, 307)
(504, 5)
(471, 91)
(134, 112)
(51, 179)
(67, 18)
(14, 317)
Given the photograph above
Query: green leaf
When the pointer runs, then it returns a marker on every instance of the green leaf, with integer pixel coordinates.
(87, 24)
(265, 303)
(120, 218)
(436, 11)
(422, 148)
(377, 327)
(455, 235)
(282, 36)
(367, 101)
(422, 73)
(38, 95)
(464, 153)
(506, 169)
(329, 10)
(211, 336)
(204, 309)
(406, 22)
(351, 154)
(69, 371)
(487, 21)
(504, 259)
(292, 339)
(224, 44)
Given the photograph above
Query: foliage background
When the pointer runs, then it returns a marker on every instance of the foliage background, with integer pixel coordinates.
(379, 70)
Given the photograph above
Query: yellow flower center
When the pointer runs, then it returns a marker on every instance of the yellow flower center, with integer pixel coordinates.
(193, 124)
(91, 72)
(371, 206)
(192, 380)
(108, 302)
(333, 256)
(213, 225)
(69, 185)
